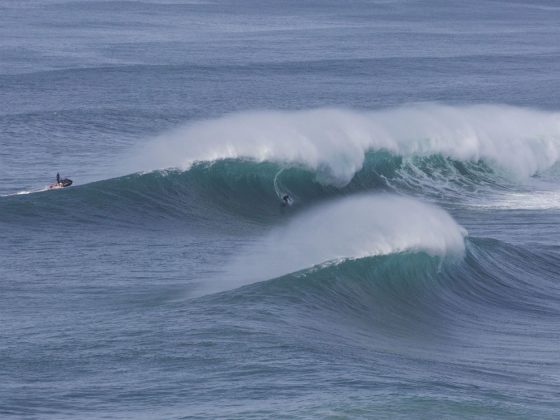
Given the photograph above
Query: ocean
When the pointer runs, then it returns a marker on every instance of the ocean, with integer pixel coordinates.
(412, 271)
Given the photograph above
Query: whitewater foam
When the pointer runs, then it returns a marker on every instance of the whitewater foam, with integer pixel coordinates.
(26, 192)
(333, 142)
(350, 228)
(531, 200)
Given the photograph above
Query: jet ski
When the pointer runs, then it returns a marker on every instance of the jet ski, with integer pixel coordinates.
(60, 183)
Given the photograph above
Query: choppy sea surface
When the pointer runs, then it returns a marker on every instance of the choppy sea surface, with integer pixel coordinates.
(414, 273)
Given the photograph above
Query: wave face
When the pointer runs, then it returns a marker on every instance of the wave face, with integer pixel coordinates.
(253, 190)
(438, 304)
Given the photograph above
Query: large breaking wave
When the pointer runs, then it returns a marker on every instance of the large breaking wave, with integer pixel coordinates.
(333, 143)
(414, 294)
(348, 229)
(241, 164)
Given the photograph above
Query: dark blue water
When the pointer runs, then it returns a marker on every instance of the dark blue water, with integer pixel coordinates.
(415, 273)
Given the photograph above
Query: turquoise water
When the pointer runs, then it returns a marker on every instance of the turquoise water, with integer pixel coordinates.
(415, 273)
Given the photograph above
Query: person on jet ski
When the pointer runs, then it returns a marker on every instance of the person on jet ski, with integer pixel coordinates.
(61, 183)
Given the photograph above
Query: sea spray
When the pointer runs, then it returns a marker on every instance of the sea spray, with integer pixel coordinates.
(334, 142)
(351, 228)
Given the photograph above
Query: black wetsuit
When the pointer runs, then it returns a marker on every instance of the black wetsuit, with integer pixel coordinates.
(58, 178)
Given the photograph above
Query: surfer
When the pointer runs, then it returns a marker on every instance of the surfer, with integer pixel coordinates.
(286, 200)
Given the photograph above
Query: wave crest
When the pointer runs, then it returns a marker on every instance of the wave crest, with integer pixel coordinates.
(352, 228)
(334, 142)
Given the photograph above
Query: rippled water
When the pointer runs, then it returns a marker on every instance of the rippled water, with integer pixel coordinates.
(415, 272)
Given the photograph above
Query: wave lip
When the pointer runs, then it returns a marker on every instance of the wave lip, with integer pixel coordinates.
(352, 228)
(333, 142)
